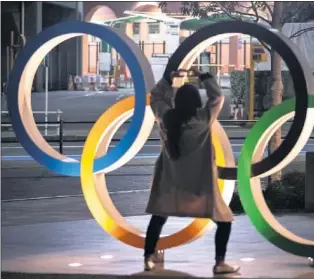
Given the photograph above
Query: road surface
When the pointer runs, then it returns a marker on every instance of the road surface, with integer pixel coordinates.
(23, 178)
(88, 106)
(29, 189)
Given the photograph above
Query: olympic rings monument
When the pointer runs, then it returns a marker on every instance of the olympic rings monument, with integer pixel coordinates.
(96, 161)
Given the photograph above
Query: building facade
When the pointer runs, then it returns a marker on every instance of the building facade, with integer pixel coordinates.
(21, 21)
(151, 35)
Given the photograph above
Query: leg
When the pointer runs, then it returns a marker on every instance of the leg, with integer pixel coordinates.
(221, 240)
(153, 233)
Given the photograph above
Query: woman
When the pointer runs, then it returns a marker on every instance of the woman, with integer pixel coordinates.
(185, 179)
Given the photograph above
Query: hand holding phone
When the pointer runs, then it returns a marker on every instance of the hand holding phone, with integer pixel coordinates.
(178, 74)
(194, 72)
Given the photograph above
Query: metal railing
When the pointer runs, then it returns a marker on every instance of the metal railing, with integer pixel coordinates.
(60, 138)
(45, 124)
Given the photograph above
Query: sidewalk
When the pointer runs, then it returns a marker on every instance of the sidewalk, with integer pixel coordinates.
(51, 247)
(73, 133)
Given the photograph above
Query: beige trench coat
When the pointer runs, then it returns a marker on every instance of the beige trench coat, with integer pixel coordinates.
(187, 187)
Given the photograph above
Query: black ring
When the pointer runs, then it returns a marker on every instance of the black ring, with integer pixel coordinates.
(299, 69)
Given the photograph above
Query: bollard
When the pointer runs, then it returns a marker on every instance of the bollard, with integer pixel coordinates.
(61, 136)
(58, 120)
(78, 83)
(309, 182)
(70, 83)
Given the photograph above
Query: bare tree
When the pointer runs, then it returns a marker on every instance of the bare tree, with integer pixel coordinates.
(276, 89)
(276, 14)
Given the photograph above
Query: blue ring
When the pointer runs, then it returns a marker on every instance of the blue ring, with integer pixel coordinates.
(106, 34)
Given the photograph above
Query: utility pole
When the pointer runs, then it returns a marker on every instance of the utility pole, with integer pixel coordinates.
(21, 40)
(22, 18)
(11, 50)
(46, 65)
(252, 80)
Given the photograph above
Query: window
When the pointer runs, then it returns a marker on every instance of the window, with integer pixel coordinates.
(154, 28)
(93, 39)
(136, 28)
(105, 47)
(120, 25)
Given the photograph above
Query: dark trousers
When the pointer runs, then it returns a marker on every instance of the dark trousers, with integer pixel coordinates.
(157, 222)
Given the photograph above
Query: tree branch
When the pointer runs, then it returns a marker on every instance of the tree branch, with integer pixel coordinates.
(255, 11)
(253, 7)
(225, 10)
(228, 13)
(243, 13)
(241, 5)
(300, 32)
(162, 5)
(216, 5)
(270, 10)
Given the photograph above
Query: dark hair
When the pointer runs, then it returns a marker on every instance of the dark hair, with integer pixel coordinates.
(187, 101)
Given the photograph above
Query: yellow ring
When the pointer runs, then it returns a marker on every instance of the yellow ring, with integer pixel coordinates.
(96, 194)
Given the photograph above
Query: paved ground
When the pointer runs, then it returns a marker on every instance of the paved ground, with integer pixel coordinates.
(29, 189)
(52, 247)
(46, 224)
(88, 106)
(151, 147)
(81, 106)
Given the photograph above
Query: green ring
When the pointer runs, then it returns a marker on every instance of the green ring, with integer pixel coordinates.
(244, 183)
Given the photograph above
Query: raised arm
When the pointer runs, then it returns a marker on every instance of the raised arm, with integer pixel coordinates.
(162, 95)
(215, 97)
(161, 98)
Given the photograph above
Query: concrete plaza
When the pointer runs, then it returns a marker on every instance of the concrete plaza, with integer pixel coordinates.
(82, 247)
(47, 228)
